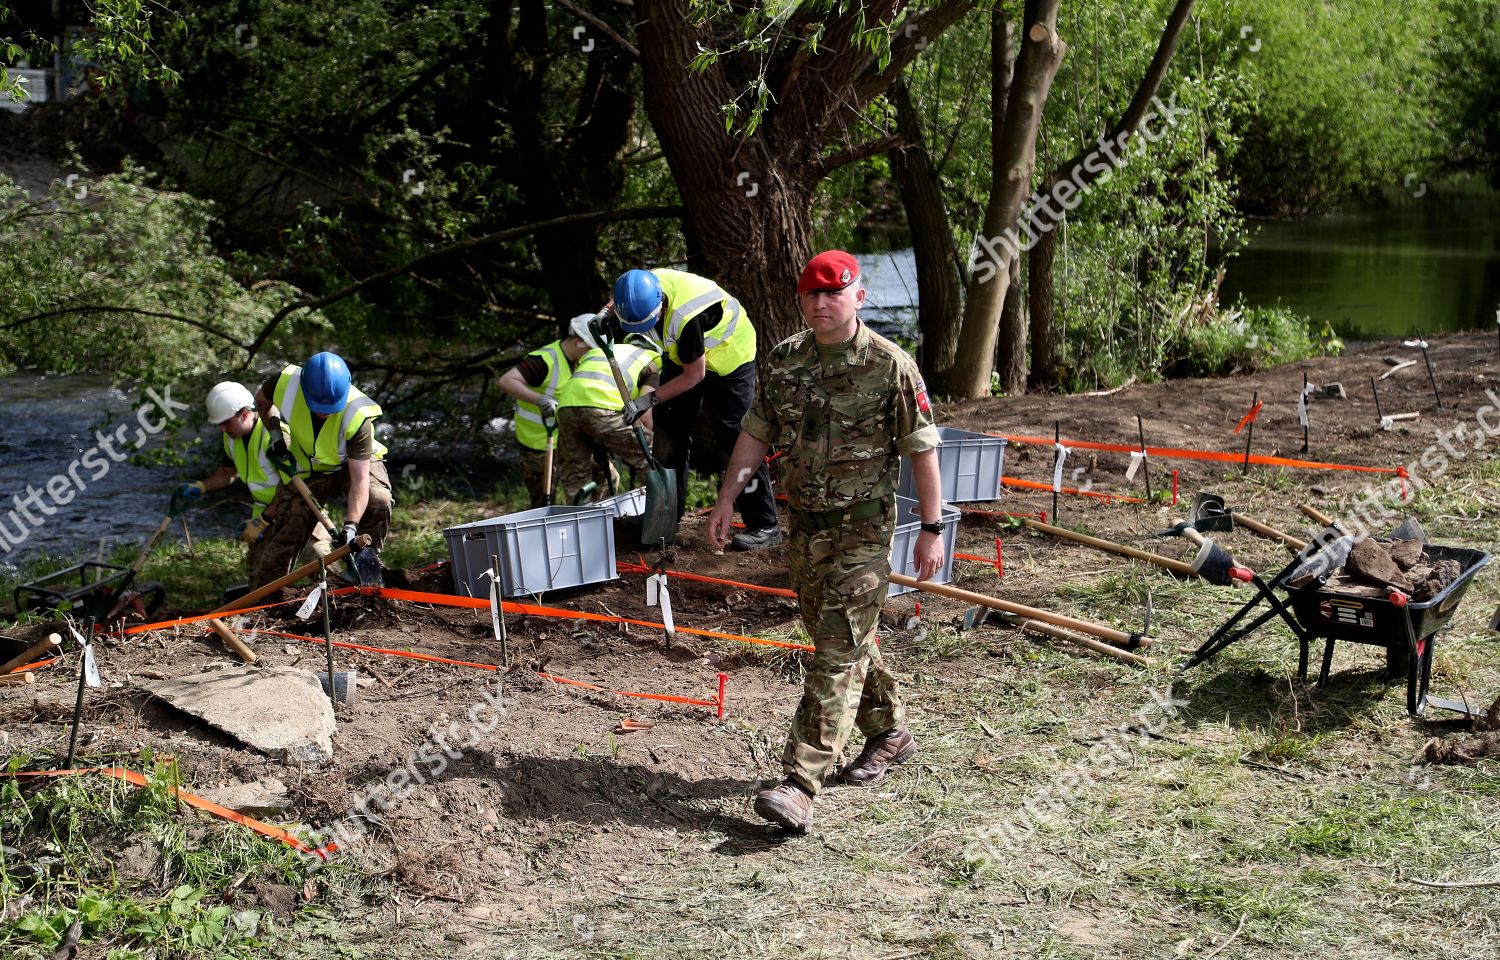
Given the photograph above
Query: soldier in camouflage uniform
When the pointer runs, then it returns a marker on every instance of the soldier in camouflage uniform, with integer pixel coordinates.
(589, 418)
(844, 404)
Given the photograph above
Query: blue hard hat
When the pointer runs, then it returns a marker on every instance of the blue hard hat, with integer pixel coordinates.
(638, 300)
(325, 383)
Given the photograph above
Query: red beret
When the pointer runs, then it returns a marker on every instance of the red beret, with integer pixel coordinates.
(829, 270)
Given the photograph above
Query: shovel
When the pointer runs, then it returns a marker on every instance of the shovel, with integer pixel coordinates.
(364, 565)
(659, 520)
(551, 424)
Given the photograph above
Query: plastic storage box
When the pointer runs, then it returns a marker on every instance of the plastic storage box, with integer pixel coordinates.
(631, 503)
(908, 525)
(971, 464)
(547, 548)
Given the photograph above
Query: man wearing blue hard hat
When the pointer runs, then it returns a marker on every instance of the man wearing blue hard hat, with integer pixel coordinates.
(708, 370)
(323, 428)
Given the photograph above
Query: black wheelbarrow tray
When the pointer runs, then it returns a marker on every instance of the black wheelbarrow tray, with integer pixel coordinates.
(104, 591)
(1407, 631)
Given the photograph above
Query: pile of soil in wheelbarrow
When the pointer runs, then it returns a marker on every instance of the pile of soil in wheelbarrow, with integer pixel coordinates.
(1376, 564)
(1485, 742)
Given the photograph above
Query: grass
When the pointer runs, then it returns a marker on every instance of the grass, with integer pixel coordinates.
(1296, 818)
(134, 873)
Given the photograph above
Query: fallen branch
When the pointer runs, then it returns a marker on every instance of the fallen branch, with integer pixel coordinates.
(1111, 392)
(1400, 366)
(1220, 948)
(1457, 885)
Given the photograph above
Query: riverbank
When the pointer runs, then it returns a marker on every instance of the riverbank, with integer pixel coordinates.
(1230, 802)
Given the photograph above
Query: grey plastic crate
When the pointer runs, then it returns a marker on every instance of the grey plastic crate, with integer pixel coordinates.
(631, 503)
(548, 548)
(971, 464)
(908, 525)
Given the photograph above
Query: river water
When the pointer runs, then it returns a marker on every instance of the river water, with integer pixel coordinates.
(66, 450)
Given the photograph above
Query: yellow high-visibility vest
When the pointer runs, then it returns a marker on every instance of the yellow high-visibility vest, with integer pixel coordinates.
(248, 454)
(323, 450)
(592, 383)
(530, 431)
(730, 344)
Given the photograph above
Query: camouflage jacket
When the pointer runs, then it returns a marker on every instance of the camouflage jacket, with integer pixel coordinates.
(843, 417)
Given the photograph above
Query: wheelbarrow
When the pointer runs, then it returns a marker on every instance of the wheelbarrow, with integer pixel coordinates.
(1407, 631)
(101, 591)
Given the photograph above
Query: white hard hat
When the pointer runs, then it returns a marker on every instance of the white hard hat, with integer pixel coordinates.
(227, 399)
(579, 327)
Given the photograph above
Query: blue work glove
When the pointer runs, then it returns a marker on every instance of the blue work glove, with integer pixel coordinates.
(189, 492)
(637, 408)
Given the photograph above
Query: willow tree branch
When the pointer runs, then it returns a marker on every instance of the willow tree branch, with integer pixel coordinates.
(109, 308)
(461, 246)
(860, 151)
(603, 28)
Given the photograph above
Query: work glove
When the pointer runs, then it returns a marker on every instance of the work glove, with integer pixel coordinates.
(277, 451)
(637, 408)
(252, 529)
(189, 492)
(548, 406)
(351, 530)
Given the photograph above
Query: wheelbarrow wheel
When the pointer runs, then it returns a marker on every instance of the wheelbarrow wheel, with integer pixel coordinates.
(139, 602)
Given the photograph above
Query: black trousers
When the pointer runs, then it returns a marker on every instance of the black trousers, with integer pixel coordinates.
(722, 401)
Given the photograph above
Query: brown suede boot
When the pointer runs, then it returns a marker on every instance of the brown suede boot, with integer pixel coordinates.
(786, 805)
(881, 752)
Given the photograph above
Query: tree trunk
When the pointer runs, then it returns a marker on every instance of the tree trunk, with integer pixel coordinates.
(1037, 64)
(1010, 352)
(1039, 296)
(1044, 337)
(939, 295)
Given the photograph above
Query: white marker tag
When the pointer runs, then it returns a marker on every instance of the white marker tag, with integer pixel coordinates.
(1057, 468)
(1136, 459)
(310, 605)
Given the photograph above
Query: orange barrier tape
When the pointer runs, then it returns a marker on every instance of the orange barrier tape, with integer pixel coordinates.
(625, 566)
(1036, 485)
(35, 666)
(987, 561)
(474, 603)
(558, 613)
(1183, 454)
(207, 806)
(199, 618)
(1250, 416)
(433, 658)
(664, 697)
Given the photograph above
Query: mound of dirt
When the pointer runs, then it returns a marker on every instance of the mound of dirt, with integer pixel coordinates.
(1485, 742)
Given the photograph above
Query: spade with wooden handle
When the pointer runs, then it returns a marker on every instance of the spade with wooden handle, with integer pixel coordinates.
(31, 654)
(365, 578)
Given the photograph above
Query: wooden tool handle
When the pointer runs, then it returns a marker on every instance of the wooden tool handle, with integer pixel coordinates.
(547, 467)
(1047, 629)
(1031, 613)
(17, 679)
(33, 653)
(1261, 529)
(140, 558)
(1193, 535)
(358, 543)
(1167, 563)
(301, 487)
(232, 641)
(1315, 515)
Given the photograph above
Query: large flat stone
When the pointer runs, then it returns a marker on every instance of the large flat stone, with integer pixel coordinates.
(279, 711)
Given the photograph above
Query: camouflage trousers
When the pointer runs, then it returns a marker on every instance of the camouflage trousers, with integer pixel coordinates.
(841, 576)
(532, 470)
(584, 435)
(293, 521)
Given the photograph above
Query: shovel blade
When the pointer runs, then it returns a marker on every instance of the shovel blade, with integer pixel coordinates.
(367, 568)
(659, 519)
